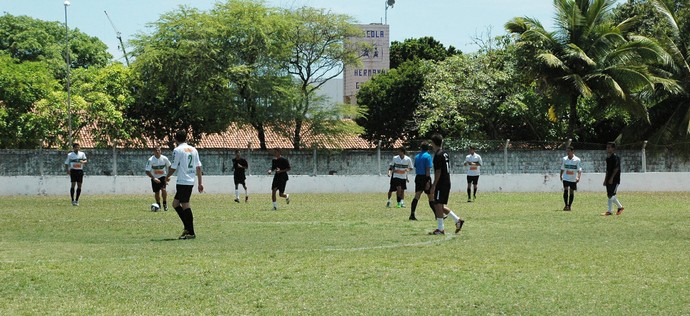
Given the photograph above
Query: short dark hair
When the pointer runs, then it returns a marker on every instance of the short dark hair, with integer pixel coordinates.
(181, 136)
(75, 145)
(473, 148)
(402, 149)
(612, 144)
(437, 139)
(571, 148)
(424, 146)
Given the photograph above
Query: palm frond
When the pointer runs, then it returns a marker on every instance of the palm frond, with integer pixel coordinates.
(552, 61)
(665, 8)
(579, 84)
(576, 52)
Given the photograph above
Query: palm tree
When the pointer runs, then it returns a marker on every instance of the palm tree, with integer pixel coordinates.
(588, 57)
(670, 112)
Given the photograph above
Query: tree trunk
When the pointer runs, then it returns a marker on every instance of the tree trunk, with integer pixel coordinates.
(261, 133)
(298, 131)
(573, 119)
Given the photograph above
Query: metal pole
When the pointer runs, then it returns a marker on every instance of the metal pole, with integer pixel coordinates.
(378, 155)
(314, 157)
(69, 89)
(505, 156)
(644, 156)
(385, 19)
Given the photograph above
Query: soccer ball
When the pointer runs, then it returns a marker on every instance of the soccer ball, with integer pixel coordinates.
(155, 207)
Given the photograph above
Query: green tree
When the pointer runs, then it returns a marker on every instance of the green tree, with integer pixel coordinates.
(668, 21)
(588, 57)
(391, 100)
(318, 54)
(178, 82)
(29, 39)
(482, 96)
(423, 48)
(22, 84)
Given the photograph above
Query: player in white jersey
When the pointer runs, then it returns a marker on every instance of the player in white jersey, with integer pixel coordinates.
(571, 171)
(75, 169)
(157, 169)
(473, 162)
(399, 167)
(188, 166)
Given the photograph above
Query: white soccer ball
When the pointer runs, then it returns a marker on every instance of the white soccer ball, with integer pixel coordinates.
(155, 207)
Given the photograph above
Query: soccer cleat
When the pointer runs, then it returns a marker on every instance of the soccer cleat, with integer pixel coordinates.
(438, 232)
(275, 208)
(74, 203)
(412, 218)
(287, 198)
(620, 211)
(237, 200)
(398, 206)
(246, 199)
(458, 226)
(165, 207)
(469, 200)
(388, 204)
(606, 214)
(186, 235)
(566, 208)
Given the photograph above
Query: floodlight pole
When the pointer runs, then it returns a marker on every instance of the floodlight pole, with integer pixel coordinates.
(69, 89)
(389, 3)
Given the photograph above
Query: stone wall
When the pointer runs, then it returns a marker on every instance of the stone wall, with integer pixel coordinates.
(131, 162)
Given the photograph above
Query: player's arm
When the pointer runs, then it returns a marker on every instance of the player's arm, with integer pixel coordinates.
(479, 161)
(199, 176)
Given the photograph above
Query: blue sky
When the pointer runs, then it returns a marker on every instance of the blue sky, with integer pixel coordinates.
(452, 22)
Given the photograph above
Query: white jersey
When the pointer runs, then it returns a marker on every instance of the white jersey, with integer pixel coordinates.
(74, 160)
(570, 168)
(473, 170)
(400, 166)
(158, 167)
(185, 160)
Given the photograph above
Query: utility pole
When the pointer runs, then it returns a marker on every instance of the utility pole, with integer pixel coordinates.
(119, 37)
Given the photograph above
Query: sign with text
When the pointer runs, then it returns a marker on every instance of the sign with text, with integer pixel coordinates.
(374, 56)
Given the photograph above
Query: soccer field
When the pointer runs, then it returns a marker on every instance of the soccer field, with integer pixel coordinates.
(344, 254)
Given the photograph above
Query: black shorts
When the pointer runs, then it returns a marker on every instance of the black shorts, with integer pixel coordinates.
(240, 180)
(473, 179)
(611, 189)
(395, 183)
(421, 182)
(571, 185)
(184, 192)
(158, 186)
(279, 184)
(76, 175)
(441, 195)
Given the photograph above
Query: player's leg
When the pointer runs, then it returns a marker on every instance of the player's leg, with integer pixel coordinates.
(565, 195)
(71, 190)
(164, 195)
(469, 192)
(475, 184)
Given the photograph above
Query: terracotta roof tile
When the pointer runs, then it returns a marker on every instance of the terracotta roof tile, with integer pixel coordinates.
(245, 136)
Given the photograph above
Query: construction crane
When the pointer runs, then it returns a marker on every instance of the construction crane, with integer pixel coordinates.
(119, 37)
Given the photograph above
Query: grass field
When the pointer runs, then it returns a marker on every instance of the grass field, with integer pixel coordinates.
(335, 254)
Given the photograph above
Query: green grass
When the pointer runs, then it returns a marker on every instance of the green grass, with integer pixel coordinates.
(335, 254)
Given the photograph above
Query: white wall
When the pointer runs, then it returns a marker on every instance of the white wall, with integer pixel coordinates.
(59, 185)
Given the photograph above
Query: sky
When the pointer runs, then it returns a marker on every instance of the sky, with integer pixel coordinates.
(451, 22)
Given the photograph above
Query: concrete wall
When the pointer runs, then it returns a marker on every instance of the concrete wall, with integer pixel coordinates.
(59, 185)
(218, 162)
